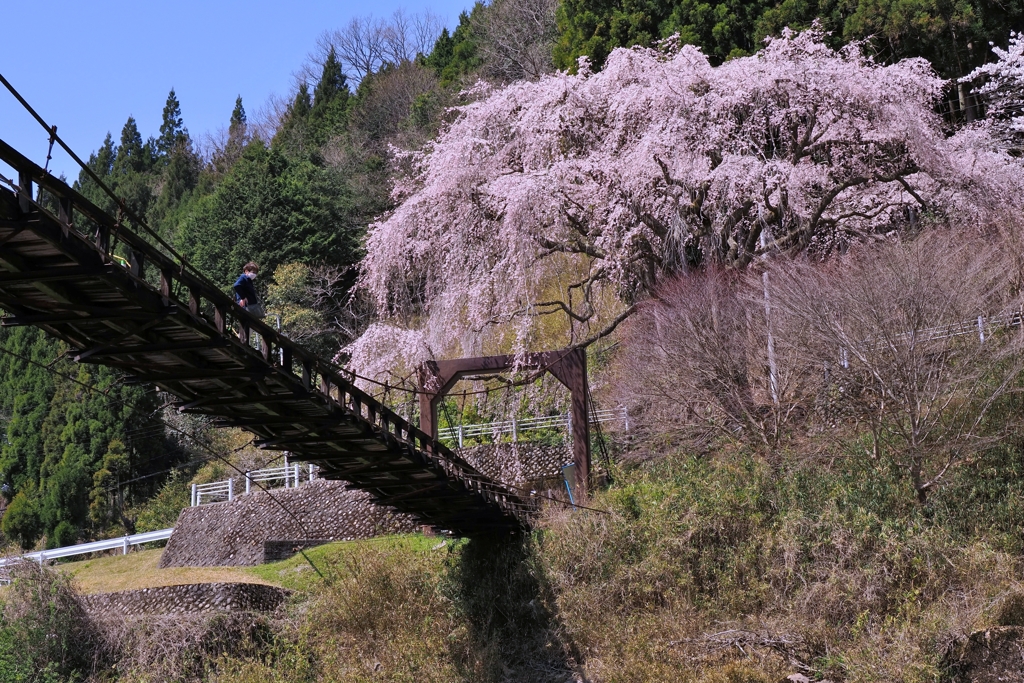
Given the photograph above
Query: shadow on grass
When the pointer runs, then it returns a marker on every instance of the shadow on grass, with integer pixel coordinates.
(513, 637)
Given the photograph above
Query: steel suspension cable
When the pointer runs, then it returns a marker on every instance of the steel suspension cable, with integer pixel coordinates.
(119, 201)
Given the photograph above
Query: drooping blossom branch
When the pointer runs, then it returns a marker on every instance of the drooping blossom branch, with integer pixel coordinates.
(575, 194)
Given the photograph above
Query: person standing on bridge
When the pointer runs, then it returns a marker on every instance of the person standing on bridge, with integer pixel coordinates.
(245, 291)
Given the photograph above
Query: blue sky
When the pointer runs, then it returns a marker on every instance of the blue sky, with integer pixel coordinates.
(87, 66)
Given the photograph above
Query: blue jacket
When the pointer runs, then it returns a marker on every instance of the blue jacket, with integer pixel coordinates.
(244, 289)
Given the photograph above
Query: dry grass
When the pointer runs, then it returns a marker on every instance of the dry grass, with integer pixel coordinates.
(707, 570)
(139, 570)
(736, 570)
(397, 612)
(176, 648)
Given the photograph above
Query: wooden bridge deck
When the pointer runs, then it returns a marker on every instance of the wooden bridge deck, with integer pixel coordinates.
(161, 322)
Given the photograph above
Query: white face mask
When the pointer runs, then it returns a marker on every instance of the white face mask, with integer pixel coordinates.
(251, 276)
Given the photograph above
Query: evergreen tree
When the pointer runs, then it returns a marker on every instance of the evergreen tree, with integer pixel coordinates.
(272, 209)
(237, 128)
(101, 162)
(131, 153)
(301, 105)
(25, 394)
(180, 178)
(332, 83)
(238, 135)
(444, 50)
(130, 178)
(106, 497)
(181, 166)
(291, 136)
(456, 55)
(60, 434)
(173, 133)
(330, 103)
(951, 35)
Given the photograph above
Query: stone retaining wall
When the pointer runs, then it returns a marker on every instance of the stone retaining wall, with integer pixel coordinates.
(520, 463)
(236, 533)
(187, 599)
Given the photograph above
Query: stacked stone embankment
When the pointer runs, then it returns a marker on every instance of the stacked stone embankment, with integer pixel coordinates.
(238, 532)
(187, 599)
(527, 464)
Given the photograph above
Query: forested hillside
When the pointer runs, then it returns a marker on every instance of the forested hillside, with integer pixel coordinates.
(954, 37)
(794, 261)
(296, 190)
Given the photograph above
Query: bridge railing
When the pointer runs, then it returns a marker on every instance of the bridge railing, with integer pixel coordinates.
(515, 427)
(209, 306)
(286, 476)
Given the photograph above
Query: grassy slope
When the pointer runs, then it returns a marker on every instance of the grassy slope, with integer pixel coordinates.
(139, 569)
(825, 565)
(719, 569)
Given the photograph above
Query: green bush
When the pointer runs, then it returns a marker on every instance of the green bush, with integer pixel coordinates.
(162, 510)
(21, 520)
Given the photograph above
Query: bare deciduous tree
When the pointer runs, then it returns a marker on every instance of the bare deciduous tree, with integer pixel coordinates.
(366, 43)
(407, 36)
(913, 343)
(922, 339)
(517, 38)
(696, 362)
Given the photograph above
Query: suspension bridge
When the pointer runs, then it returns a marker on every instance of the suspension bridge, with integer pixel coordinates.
(151, 315)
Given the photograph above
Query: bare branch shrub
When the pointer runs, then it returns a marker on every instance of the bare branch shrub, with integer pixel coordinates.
(919, 341)
(517, 37)
(182, 647)
(317, 306)
(390, 96)
(696, 362)
(45, 633)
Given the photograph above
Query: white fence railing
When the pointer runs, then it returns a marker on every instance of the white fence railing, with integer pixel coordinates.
(981, 326)
(287, 476)
(516, 427)
(121, 543)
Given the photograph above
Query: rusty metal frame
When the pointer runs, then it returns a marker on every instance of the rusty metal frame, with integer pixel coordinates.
(569, 366)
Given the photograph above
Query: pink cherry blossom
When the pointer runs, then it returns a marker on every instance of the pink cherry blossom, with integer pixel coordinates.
(575, 194)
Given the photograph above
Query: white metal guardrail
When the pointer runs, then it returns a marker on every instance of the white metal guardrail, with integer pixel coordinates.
(516, 427)
(287, 476)
(121, 543)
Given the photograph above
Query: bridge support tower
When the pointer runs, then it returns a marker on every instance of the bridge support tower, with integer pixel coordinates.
(569, 366)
